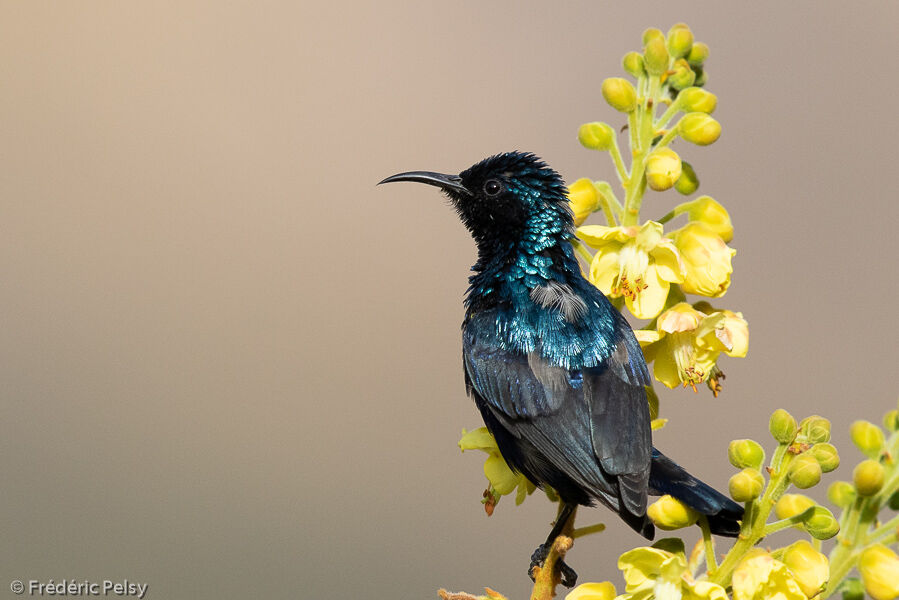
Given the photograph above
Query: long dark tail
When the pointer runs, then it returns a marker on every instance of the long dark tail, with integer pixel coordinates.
(667, 477)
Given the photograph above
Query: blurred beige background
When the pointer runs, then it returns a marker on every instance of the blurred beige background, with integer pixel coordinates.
(231, 364)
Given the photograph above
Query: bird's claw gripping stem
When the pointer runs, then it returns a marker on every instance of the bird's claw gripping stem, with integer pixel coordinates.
(542, 556)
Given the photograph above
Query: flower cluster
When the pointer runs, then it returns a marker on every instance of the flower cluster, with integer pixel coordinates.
(638, 263)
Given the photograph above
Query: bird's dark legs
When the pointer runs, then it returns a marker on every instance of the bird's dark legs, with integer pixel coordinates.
(568, 576)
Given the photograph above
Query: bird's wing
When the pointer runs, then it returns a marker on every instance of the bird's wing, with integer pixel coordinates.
(578, 419)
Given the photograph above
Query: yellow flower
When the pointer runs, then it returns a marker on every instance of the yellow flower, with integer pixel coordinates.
(686, 345)
(810, 568)
(879, 568)
(639, 264)
(583, 199)
(760, 577)
(592, 591)
(503, 480)
(706, 258)
(669, 513)
(655, 573)
(710, 213)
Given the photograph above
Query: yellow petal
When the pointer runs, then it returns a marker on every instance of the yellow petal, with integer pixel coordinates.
(598, 236)
(809, 567)
(760, 577)
(649, 235)
(646, 336)
(664, 367)
(704, 590)
(706, 259)
(879, 568)
(668, 261)
(649, 301)
(680, 317)
(501, 477)
(641, 565)
(604, 268)
(724, 331)
(478, 439)
(592, 591)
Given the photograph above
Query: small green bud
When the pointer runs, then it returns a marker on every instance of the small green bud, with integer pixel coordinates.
(680, 40)
(891, 420)
(694, 99)
(682, 77)
(805, 471)
(699, 128)
(815, 429)
(841, 493)
(688, 182)
(670, 513)
(821, 524)
(652, 34)
(853, 589)
(655, 56)
(893, 501)
(783, 426)
(595, 136)
(791, 505)
(868, 477)
(699, 52)
(745, 453)
(702, 76)
(633, 64)
(620, 94)
(663, 168)
(867, 437)
(746, 485)
(826, 455)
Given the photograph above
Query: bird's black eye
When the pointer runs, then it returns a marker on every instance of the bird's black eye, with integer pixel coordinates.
(493, 187)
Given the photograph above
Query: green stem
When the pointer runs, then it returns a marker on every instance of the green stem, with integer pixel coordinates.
(623, 175)
(581, 249)
(709, 543)
(666, 139)
(582, 531)
(790, 522)
(668, 114)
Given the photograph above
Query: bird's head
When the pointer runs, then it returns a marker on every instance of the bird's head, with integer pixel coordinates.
(504, 199)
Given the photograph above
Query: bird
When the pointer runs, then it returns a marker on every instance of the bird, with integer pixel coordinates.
(553, 367)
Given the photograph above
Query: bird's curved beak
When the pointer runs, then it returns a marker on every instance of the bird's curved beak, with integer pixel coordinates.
(446, 182)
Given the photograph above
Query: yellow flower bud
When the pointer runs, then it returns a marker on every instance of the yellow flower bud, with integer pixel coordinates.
(868, 477)
(810, 568)
(583, 199)
(746, 485)
(670, 513)
(663, 167)
(620, 94)
(867, 437)
(699, 52)
(791, 505)
(707, 259)
(879, 568)
(595, 136)
(593, 591)
(826, 455)
(633, 64)
(891, 420)
(652, 34)
(680, 40)
(688, 182)
(841, 493)
(745, 453)
(815, 429)
(805, 471)
(655, 56)
(699, 128)
(821, 524)
(696, 99)
(710, 213)
(759, 576)
(783, 426)
(682, 77)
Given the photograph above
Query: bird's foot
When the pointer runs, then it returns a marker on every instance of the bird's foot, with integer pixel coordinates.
(566, 574)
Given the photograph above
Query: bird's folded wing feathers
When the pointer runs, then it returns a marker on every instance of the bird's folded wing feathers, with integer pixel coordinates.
(578, 419)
